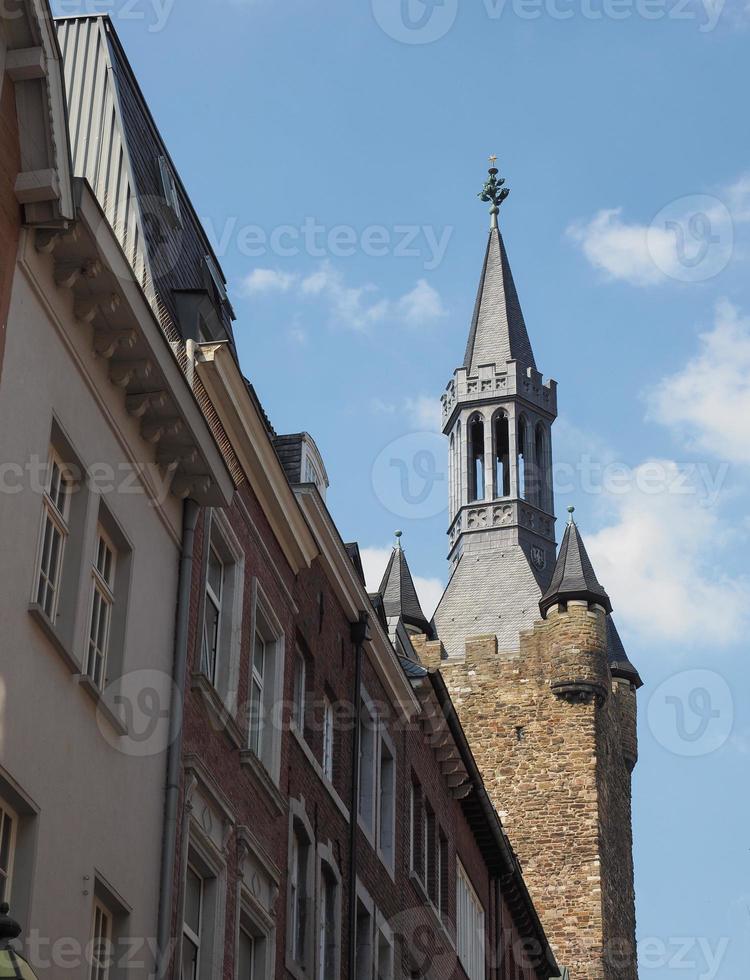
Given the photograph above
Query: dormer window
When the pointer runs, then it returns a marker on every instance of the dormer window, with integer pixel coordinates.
(169, 191)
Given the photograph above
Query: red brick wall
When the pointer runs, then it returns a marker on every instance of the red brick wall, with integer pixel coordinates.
(10, 212)
(314, 621)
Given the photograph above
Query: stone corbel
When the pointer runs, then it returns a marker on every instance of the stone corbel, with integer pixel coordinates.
(68, 273)
(138, 405)
(121, 373)
(106, 342)
(185, 485)
(154, 430)
(171, 455)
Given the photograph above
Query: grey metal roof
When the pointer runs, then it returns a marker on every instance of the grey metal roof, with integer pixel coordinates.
(619, 662)
(498, 331)
(574, 576)
(399, 594)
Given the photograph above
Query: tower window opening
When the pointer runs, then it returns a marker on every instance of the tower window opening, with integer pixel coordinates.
(476, 458)
(540, 466)
(502, 457)
(522, 460)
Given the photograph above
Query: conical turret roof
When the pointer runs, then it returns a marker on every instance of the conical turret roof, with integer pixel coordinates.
(619, 662)
(399, 594)
(498, 331)
(574, 576)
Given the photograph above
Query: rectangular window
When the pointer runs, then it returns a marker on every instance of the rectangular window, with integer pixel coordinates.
(8, 825)
(54, 533)
(328, 739)
(298, 703)
(442, 875)
(192, 925)
(328, 939)
(102, 601)
(469, 926)
(385, 957)
(386, 801)
(212, 615)
(169, 189)
(431, 855)
(101, 943)
(416, 830)
(364, 960)
(367, 732)
(256, 693)
(298, 894)
(246, 956)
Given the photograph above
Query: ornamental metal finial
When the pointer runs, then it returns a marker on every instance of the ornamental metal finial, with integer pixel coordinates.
(571, 511)
(493, 191)
(397, 535)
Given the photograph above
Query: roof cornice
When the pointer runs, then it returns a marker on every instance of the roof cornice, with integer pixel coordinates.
(223, 380)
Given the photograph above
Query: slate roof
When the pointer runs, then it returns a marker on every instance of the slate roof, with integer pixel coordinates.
(399, 595)
(619, 662)
(498, 331)
(574, 576)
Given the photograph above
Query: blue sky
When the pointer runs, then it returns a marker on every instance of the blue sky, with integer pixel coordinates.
(352, 143)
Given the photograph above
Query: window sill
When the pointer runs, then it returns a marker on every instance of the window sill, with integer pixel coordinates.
(297, 970)
(221, 717)
(419, 885)
(250, 761)
(50, 631)
(327, 784)
(102, 708)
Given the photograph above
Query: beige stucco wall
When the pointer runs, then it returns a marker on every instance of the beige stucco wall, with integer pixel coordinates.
(99, 796)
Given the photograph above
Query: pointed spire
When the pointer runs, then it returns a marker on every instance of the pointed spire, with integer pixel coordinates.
(619, 662)
(498, 331)
(574, 576)
(399, 594)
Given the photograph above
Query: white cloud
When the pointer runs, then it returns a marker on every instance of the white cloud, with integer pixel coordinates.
(267, 281)
(690, 239)
(429, 590)
(708, 401)
(356, 307)
(421, 305)
(659, 559)
(618, 249)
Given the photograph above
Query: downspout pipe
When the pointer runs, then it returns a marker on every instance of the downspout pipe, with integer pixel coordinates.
(190, 514)
(360, 631)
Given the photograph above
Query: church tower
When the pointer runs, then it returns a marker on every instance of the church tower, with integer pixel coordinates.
(497, 415)
(527, 646)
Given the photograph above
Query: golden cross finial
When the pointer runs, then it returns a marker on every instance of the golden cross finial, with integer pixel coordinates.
(493, 160)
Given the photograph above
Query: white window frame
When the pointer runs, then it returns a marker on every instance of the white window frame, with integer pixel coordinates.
(48, 580)
(328, 916)
(328, 738)
(299, 693)
(266, 625)
(210, 657)
(301, 951)
(224, 547)
(102, 917)
(101, 606)
(368, 766)
(384, 938)
(386, 800)
(470, 925)
(187, 931)
(9, 826)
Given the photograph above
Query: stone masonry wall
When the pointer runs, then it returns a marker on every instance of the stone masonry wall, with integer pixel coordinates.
(10, 212)
(554, 767)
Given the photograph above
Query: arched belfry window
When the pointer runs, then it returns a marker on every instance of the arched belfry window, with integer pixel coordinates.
(540, 465)
(523, 475)
(453, 474)
(475, 435)
(502, 456)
